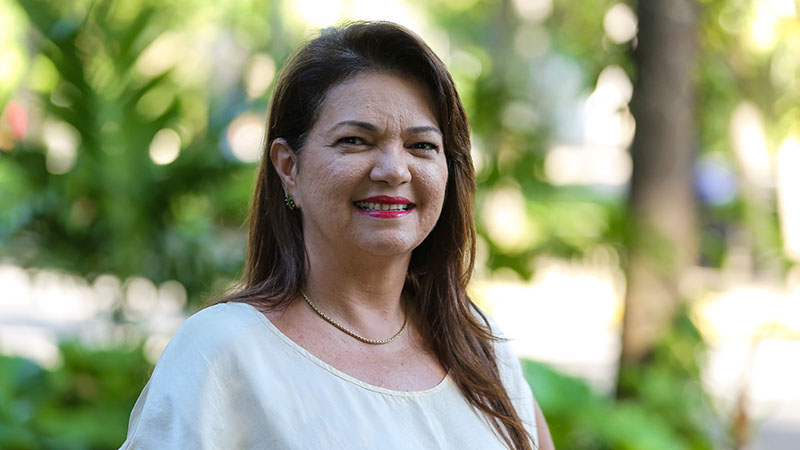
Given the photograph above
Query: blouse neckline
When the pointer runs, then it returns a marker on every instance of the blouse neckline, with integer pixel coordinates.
(338, 373)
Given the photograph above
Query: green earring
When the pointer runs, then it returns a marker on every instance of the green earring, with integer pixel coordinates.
(289, 202)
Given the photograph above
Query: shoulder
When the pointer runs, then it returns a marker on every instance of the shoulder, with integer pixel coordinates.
(221, 315)
(219, 322)
(507, 361)
(190, 392)
(503, 351)
(511, 374)
(213, 333)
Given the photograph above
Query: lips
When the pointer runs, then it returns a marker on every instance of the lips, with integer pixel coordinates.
(384, 207)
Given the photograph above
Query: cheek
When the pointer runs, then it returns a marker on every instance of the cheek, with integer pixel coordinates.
(328, 178)
(434, 182)
(441, 177)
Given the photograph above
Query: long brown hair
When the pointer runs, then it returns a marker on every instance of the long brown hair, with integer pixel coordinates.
(440, 266)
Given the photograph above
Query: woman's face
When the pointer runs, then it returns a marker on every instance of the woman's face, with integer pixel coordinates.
(371, 178)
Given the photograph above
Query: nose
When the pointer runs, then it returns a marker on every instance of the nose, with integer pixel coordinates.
(391, 166)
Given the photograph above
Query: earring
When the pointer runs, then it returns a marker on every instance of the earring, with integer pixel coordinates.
(289, 202)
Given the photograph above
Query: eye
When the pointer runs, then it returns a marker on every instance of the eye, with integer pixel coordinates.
(425, 146)
(351, 140)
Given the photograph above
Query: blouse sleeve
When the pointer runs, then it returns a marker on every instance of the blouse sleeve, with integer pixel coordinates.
(192, 392)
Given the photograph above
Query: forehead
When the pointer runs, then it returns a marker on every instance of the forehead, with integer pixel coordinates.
(382, 98)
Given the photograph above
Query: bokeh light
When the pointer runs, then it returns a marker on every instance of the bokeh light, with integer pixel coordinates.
(531, 40)
(61, 141)
(506, 219)
(161, 55)
(620, 23)
(259, 75)
(534, 10)
(165, 147)
(750, 144)
(608, 131)
(318, 13)
(763, 32)
(788, 186)
(246, 136)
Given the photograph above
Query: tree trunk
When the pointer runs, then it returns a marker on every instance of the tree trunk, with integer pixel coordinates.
(663, 236)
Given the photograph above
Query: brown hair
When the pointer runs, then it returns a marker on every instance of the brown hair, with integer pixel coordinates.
(440, 266)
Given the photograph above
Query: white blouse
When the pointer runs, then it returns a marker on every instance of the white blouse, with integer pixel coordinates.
(229, 379)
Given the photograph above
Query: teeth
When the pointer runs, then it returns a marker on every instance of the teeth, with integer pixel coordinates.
(369, 206)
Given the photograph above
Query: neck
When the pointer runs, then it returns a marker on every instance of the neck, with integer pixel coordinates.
(362, 291)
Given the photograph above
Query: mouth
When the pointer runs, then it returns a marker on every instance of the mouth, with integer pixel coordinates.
(384, 207)
(370, 206)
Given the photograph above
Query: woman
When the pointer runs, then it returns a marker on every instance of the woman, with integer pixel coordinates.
(353, 328)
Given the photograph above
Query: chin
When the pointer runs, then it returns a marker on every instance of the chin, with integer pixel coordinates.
(390, 246)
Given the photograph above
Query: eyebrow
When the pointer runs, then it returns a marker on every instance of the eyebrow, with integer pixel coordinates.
(355, 123)
(372, 127)
(424, 129)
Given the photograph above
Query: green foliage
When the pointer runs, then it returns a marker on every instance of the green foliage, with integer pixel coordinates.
(580, 418)
(83, 404)
(665, 406)
(669, 384)
(115, 210)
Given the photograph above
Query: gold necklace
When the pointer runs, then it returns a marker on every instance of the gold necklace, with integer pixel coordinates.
(353, 333)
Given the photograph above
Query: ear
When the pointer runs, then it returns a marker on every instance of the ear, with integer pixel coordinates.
(284, 160)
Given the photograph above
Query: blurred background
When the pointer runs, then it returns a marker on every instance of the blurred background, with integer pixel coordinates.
(638, 201)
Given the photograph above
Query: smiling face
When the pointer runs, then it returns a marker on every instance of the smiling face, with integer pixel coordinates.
(371, 177)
